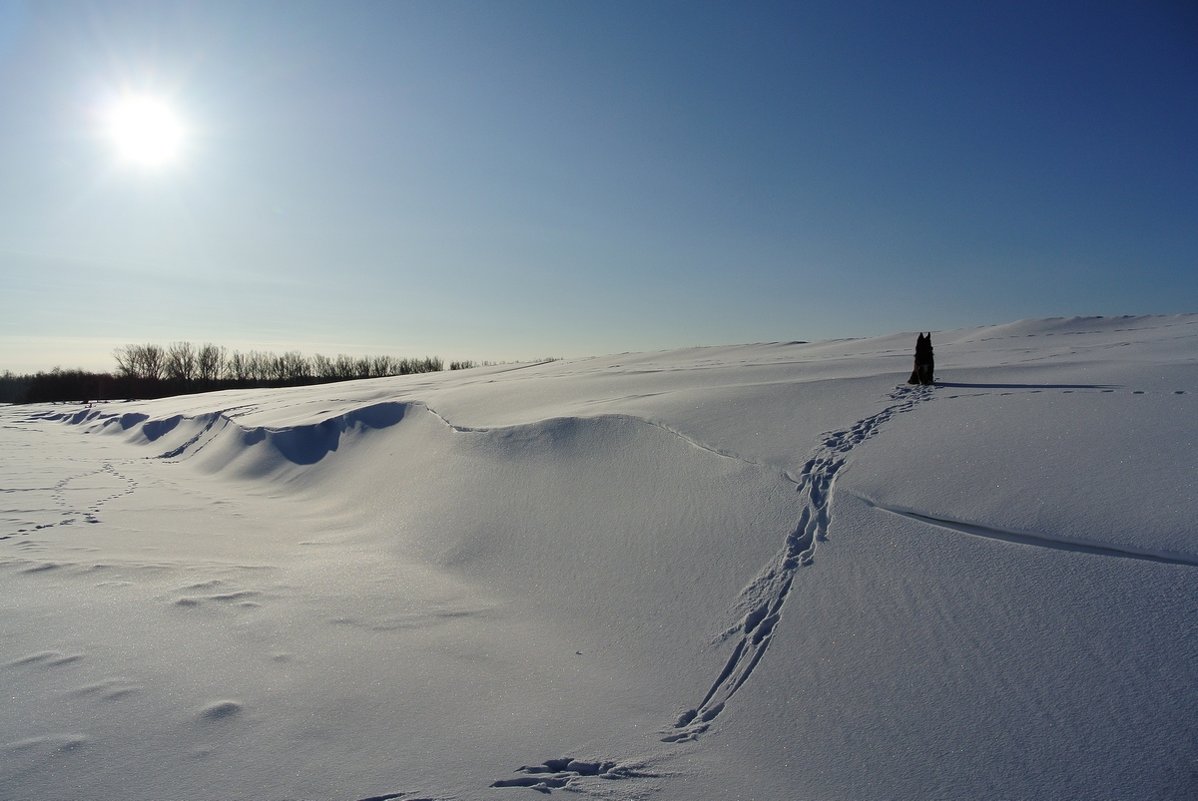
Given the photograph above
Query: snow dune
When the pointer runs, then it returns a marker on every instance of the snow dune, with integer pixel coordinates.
(766, 571)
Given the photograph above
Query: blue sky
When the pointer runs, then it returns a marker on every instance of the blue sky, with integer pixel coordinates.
(507, 180)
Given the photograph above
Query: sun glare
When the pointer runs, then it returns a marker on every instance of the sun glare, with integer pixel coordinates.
(144, 130)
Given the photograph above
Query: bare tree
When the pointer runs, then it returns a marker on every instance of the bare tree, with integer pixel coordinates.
(152, 361)
(237, 368)
(209, 361)
(288, 368)
(345, 366)
(181, 361)
(127, 359)
(295, 366)
(323, 367)
(260, 365)
(186, 364)
(383, 366)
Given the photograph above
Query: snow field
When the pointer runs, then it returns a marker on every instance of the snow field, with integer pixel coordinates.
(763, 571)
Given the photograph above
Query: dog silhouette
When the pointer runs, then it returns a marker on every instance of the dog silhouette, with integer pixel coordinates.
(925, 363)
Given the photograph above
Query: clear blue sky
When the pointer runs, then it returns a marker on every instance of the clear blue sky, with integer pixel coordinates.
(504, 180)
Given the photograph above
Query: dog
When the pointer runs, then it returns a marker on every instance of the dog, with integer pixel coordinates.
(925, 363)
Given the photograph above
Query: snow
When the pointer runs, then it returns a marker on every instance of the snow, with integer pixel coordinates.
(767, 571)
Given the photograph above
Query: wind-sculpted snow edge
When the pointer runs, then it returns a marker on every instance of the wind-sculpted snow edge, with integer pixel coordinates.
(309, 443)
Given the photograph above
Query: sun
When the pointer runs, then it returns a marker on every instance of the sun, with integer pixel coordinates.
(144, 130)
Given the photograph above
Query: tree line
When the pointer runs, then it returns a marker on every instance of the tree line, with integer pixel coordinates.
(155, 371)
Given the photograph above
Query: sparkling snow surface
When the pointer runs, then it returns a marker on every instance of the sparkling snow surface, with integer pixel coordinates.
(766, 571)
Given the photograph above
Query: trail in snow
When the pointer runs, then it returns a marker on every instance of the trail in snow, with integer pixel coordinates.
(766, 596)
(78, 497)
(764, 600)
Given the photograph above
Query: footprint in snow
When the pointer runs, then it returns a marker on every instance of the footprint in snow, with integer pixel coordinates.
(557, 774)
(221, 710)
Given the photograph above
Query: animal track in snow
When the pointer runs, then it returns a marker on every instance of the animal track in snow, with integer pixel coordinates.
(556, 774)
(221, 710)
(983, 390)
(765, 597)
(763, 600)
(81, 497)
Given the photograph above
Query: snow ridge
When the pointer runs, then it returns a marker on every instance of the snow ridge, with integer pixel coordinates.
(1037, 540)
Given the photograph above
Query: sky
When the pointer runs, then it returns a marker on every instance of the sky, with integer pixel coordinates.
(513, 179)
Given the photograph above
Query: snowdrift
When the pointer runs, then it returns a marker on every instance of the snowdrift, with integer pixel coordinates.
(765, 571)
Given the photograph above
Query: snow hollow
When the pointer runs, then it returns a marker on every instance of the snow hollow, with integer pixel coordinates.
(770, 571)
